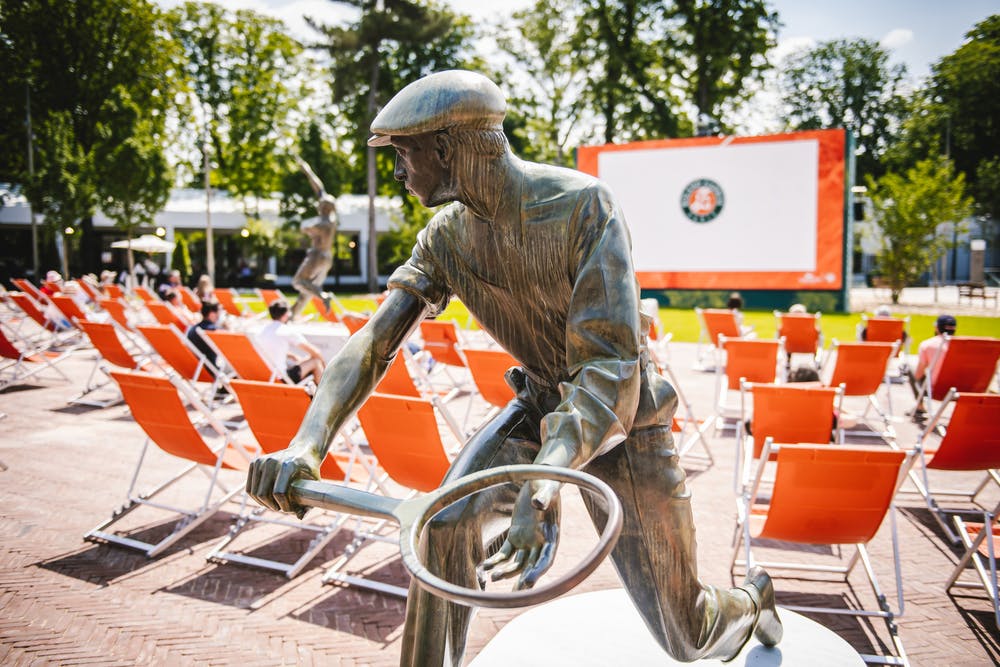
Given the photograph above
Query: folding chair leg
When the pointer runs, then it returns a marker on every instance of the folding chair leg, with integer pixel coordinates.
(334, 573)
(987, 577)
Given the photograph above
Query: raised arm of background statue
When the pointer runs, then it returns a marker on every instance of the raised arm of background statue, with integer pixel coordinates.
(314, 182)
(347, 382)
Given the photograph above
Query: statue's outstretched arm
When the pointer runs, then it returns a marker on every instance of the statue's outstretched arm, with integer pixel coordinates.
(349, 379)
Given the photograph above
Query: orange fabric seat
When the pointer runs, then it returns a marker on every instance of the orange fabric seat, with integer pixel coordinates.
(826, 495)
(862, 369)
(157, 407)
(403, 434)
(970, 443)
(802, 334)
(488, 368)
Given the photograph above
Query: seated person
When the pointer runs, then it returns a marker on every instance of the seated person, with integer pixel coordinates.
(277, 339)
(210, 314)
(177, 307)
(735, 304)
(927, 354)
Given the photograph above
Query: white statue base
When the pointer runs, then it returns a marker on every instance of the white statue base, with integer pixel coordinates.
(603, 628)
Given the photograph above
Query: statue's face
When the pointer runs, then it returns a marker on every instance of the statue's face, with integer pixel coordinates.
(421, 165)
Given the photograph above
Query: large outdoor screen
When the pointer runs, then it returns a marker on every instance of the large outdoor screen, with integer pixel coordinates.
(731, 212)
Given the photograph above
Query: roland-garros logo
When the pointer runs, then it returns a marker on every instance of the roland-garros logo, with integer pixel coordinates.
(702, 200)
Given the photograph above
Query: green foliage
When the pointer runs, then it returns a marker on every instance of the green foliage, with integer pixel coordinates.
(908, 210)
(846, 83)
(332, 167)
(395, 247)
(241, 71)
(181, 257)
(547, 100)
(966, 87)
(374, 56)
(84, 63)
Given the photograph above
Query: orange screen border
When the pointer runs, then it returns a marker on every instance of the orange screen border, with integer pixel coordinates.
(830, 211)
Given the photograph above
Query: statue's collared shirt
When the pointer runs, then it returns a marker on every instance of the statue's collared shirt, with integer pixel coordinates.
(551, 279)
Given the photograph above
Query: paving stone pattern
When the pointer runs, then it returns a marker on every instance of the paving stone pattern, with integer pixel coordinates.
(64, 601)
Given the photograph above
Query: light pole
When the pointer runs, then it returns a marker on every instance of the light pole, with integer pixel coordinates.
(31, 175)
(209, 239)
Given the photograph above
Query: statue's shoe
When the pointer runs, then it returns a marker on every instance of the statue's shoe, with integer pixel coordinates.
(327, 300)
(758, 584)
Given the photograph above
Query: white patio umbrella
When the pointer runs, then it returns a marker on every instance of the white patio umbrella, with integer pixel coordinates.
(146, 243)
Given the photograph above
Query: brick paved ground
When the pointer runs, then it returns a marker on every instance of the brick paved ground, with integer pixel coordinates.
(65, 601)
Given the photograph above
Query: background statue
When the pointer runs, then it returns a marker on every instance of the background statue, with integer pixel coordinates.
(308, 279)
(541, 256)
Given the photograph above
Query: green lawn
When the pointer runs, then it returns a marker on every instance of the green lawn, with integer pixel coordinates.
(683, 323)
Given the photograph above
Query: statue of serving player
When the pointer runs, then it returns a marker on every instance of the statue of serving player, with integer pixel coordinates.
(308, 279)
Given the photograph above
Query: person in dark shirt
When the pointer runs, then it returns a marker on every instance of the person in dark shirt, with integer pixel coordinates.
(210, 314)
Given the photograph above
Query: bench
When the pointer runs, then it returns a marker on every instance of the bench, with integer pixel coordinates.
(972, 291)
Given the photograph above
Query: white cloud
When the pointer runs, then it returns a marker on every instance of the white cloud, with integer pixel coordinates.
(790, 45)
(896, 38)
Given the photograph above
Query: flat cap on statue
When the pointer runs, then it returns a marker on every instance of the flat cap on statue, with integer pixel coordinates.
(441, 101)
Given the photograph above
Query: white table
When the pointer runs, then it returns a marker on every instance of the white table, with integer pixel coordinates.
(603, 628)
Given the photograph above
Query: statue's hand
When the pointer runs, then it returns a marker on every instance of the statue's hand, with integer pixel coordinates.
(271, 476)
(531, 543)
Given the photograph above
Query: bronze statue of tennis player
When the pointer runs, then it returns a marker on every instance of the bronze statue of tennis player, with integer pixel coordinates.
(541, 257)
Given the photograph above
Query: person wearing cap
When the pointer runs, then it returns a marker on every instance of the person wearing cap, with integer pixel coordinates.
(542, 258)
(927, 356)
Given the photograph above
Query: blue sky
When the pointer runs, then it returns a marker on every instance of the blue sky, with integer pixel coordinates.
(918, 32)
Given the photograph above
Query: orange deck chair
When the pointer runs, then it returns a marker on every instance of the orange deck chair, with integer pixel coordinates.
(33, 310)
(69, 308)
(749, 360)
(189, 299)
(826, 495)
(156, 405)
(885, 330)
(183, 357)
(111, 351)
(781, 414)
(403, 435)
(333, 314)
(233, 305)
(982, 542)
(802, 335)
(354, 322)
(117, 311)
(28, 287)
(89, 290)
(114, 291)
(163, 314)
(269, 296)
(971, 442)
(862, 369)
(489, 368)
(144, 294)
(715, 322)
(274, 413)
(19, 365)
(441, 340)
(965, 363)
(242, 356)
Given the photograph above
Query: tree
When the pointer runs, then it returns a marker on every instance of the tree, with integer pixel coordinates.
(909, 209)
(547, 107)
(134, 181)
(722, 46)
(965, 86)
(846, 83)
(242, 72)
(392, 43)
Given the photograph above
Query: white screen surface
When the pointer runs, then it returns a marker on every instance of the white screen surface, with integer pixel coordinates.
(768, 221)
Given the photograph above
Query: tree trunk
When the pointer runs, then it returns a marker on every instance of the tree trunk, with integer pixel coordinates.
(372, 183)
